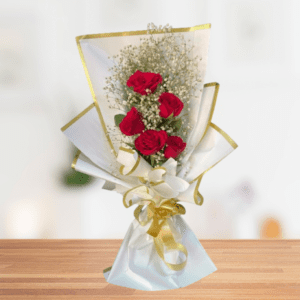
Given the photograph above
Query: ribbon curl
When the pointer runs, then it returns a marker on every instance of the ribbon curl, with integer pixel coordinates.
(160, 186)
(161, 181)
(160, 229)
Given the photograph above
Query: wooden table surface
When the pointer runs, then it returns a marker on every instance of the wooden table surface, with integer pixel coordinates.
(72, 269)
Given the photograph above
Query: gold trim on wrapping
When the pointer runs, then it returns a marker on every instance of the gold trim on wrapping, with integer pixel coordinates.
(133, 168)
(230, 141)
(127, 192)
(156, 183)
(201, 175)
(142, 180)
(78, 117)
(127, 150)
(75, 159)
(115, 34)
(161, 181)
(94, 97)
(196, 192)
(225, 135)
(211, 84)
(160, 168)
(217, 86)
(139, 32)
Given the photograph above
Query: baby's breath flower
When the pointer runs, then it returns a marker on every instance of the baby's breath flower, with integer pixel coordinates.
(169, 55)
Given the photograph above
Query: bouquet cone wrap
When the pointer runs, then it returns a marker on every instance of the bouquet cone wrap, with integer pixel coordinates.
(159, 250)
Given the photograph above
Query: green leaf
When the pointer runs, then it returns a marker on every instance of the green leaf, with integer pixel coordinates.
(163, 122)
(152, 160)
(118, 119)
(130, 145)
(170, 116)
(176, 124)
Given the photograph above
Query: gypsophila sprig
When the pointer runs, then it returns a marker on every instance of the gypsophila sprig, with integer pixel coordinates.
(154, 83)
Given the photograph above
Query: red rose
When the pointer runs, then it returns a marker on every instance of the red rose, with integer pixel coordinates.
(169, 104)
(175, 146)
(141, 81)
(151, 141)
(132, 123)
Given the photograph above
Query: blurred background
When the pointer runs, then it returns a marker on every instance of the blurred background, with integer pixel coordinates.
(254, 54)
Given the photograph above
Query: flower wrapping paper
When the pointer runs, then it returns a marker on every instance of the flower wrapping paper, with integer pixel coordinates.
(147, 260)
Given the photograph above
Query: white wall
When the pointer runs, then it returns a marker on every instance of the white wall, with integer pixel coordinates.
(254, 55)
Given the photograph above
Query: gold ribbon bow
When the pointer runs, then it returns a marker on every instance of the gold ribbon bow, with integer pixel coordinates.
(160, 186)
(162, 180)
(160, 229)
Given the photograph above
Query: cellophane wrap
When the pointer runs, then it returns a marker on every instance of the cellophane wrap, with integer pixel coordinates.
(139, 263)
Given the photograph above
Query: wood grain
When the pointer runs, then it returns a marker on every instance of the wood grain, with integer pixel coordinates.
(72, 269)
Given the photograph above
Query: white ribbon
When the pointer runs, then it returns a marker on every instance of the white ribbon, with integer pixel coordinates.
(158, 184)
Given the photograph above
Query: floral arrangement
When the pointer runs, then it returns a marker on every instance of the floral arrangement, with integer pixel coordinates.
(149, 137)
(155, 83)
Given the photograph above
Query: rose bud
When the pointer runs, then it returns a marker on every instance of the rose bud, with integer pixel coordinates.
(175, 146)
(169, 104)
(132, 123)
(151, 141)
(144, 82)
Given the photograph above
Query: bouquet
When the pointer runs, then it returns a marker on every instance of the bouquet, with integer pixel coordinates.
(148, 135)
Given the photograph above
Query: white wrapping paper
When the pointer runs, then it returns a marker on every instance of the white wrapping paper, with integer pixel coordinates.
(96, 49)
(138, 264)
